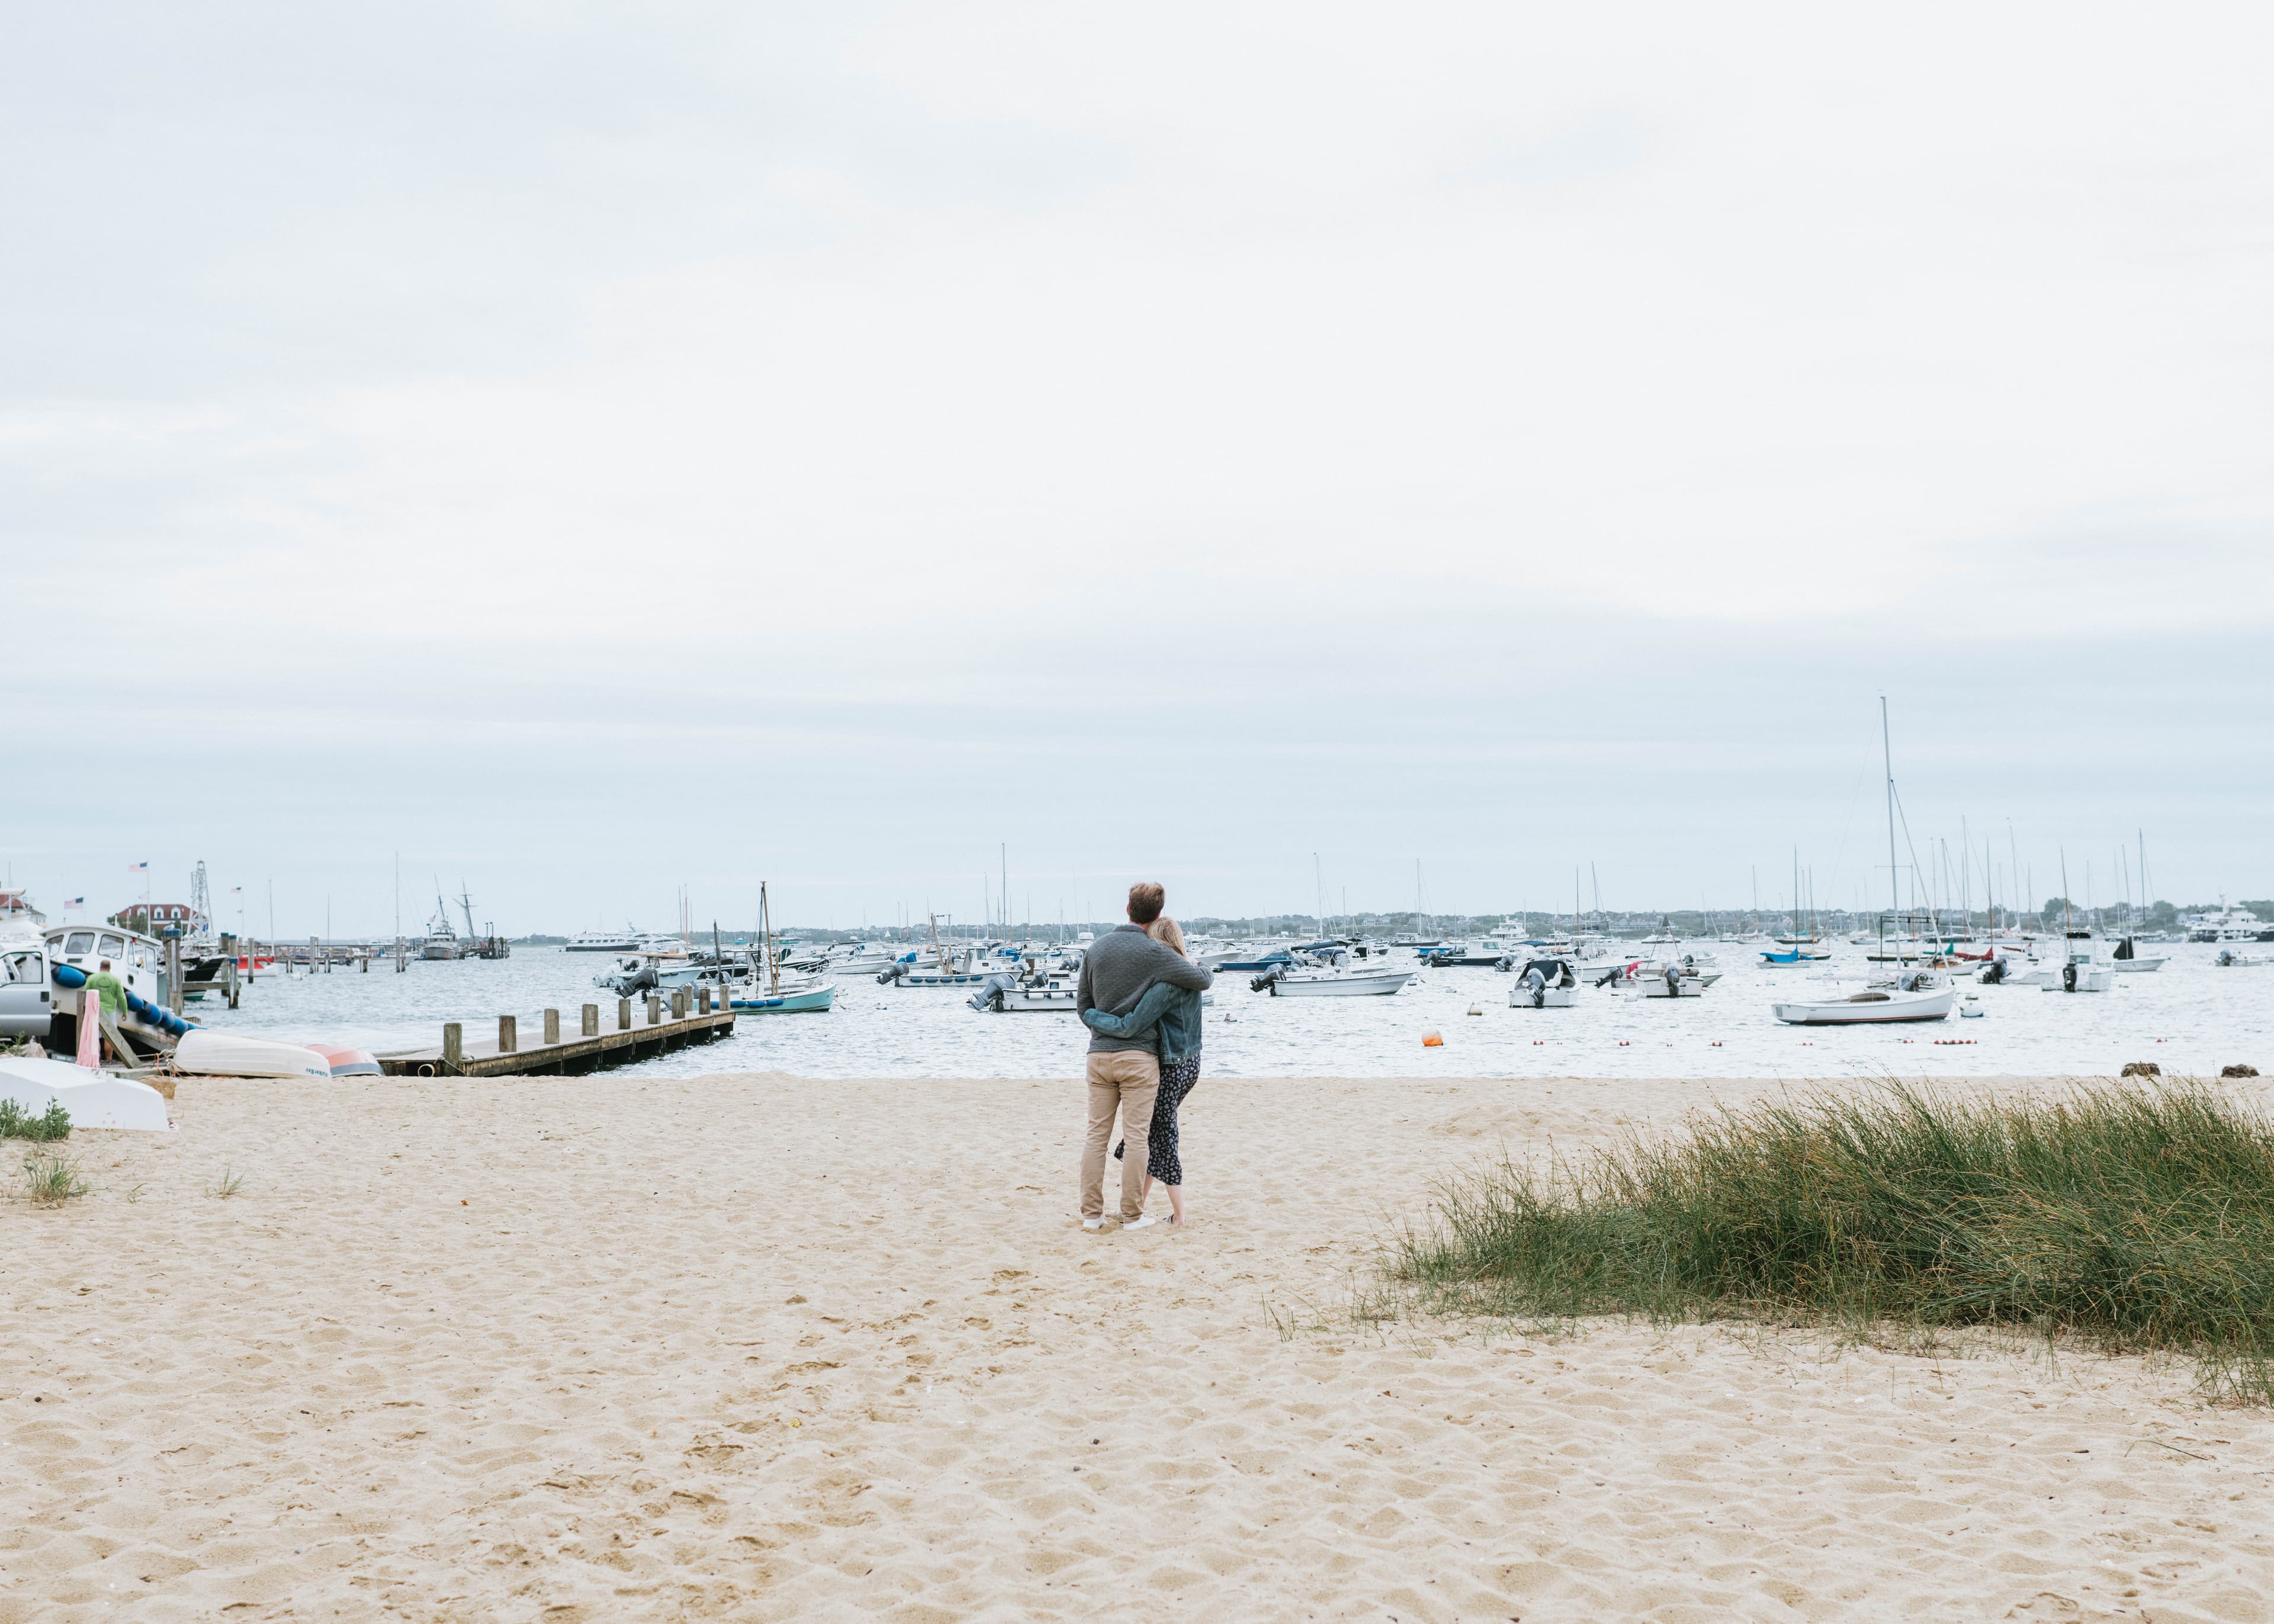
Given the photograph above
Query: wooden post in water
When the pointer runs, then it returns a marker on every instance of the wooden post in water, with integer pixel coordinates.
(509, 1034)
(702, 1000)
(679, 1004)
(654, 1010)
(592, 1020)
(453, 1047)
(623, 1014)
(553, 1026)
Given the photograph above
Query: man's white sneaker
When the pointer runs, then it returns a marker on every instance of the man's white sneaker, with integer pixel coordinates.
(1093, 1223)
(1128, 1224)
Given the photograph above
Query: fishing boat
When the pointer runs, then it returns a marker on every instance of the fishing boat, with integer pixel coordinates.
(2229, 959)
(766, 993)
(1668, 978)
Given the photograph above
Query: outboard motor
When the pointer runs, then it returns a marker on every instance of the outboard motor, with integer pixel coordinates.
(1995, 974)
(1672, 980)
(1269, 981)
(891, 972)
(2068, 976)
(2225, 956)
(1610, 977)
(989, 995)
(1538, 983)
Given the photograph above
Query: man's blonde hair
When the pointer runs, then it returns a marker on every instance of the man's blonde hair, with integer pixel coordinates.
(1165, 930)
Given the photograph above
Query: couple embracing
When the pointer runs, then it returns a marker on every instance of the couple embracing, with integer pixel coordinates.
(1139, 995)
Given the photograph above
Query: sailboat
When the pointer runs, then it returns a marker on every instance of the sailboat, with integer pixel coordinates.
(1921, 994)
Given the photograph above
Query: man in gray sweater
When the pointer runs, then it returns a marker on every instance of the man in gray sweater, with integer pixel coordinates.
(1125, 1072)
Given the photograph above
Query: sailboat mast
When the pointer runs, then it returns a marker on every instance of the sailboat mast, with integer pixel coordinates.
(1888, 756)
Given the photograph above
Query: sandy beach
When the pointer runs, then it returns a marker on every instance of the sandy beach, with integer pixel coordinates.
(762, 1348)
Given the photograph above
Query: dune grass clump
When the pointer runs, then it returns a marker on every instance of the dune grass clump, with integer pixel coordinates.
(50, 1179)
(2138, 1218)
(16, 1123)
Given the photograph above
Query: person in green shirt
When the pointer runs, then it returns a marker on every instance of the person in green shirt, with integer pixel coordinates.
(112, 990)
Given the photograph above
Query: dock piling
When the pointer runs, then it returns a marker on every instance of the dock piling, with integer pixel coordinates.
(654, 1010)
(552, 1028)
(509, 1034)
(623, 1014)
(702, 1000)
(592, 1020)
(453, 1047)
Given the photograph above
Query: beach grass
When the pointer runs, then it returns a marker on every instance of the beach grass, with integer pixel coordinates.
(229, 1184)
(2137, 1218)
(51, 1179)
(16, 1123)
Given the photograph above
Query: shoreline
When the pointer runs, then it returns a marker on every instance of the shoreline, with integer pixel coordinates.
(764, 1346)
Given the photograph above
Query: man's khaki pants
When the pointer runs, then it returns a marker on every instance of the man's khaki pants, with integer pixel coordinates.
(1126, 1079)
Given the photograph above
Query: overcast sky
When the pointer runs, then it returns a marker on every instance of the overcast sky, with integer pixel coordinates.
(594, 449)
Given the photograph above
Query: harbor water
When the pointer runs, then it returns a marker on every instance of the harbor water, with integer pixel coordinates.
(2190, 1017)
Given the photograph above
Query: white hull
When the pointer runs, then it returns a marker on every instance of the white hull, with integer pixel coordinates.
(227, 1054)
(95, 1099)
(1869, 1009)
(1520, 998)
(1331, 984)
(2135, 966)
(1655, 987)
(1018, 998)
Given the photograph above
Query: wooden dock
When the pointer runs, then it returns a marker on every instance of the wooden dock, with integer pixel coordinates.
(541, 1046)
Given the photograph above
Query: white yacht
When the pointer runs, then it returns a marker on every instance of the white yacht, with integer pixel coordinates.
(624, 941)
(2226, 924)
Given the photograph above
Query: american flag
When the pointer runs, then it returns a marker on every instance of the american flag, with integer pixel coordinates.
(76, 902)
(137, 868)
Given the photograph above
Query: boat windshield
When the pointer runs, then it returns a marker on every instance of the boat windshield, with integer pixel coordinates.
(81, 943)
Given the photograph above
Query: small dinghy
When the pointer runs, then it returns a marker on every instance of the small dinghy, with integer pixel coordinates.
(95, 1099)
(230, 1054)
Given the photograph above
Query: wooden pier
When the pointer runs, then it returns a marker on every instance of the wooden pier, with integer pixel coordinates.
(541, 1046)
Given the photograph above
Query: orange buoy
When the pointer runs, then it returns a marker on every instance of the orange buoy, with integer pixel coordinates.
(1430, 1040)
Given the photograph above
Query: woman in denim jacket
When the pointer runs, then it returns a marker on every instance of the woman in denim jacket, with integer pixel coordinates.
(1174, 1015)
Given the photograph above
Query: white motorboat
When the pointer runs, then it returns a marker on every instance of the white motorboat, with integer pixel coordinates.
(1336, 982)
(1870, 1007)
(1546, 984)
(858, 958)
(1667, 978)
(2229, 959)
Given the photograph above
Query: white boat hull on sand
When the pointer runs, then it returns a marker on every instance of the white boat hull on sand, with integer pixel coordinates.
(95, 1099)
(1869, 1009)
(228, 1054)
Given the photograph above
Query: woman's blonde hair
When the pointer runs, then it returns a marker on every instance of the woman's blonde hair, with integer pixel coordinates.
(1164, 930)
